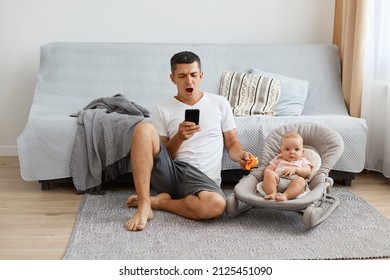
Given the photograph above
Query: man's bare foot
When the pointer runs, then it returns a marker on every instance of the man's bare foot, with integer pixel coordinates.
(271, 196)
(281, 197)
(140, 218)
(156, 201)
(144, 213)
(132, 201)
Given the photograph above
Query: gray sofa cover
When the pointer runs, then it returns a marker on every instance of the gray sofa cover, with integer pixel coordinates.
(71, 75)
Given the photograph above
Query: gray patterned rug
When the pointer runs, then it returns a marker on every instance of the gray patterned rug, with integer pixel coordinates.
(354, 231)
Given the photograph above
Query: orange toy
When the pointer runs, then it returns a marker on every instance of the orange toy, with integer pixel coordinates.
(253, 161)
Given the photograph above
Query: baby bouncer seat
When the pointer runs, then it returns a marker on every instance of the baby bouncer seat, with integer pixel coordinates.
(322, 147)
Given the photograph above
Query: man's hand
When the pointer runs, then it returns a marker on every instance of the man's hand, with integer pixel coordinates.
(253, 161)
(235, 149)
(247, 160)
(187, 130)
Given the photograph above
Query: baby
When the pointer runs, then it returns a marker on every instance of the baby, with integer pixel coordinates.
(284, 177)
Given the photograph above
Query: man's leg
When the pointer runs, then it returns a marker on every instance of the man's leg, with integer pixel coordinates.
(205, 205)
(145, 145)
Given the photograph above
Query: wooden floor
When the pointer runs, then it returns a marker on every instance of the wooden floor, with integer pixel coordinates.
(36, 224)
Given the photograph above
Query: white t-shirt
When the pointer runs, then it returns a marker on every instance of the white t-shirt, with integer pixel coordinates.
(204, 149)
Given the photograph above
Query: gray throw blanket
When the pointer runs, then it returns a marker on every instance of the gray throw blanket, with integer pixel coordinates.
(103, 140)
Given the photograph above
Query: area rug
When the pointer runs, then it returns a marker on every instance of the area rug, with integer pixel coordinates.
(354, 231)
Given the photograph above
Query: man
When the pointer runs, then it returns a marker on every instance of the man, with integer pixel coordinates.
(180, 159)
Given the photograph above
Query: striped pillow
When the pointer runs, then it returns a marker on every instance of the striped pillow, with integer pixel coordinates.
(250, 94)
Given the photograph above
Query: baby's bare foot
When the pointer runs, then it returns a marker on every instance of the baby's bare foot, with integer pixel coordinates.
(271, 196)
(281, 197)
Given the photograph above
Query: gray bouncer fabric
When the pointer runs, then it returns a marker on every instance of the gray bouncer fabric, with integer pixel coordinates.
(318, 203)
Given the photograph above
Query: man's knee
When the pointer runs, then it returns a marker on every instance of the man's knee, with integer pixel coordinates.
(145, 136)
(214, 207)
(144, 129)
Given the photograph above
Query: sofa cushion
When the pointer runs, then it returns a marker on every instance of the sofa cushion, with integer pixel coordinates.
(250, 94)
(293, 94)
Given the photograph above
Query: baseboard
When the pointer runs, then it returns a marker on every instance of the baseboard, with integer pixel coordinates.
(8, 151)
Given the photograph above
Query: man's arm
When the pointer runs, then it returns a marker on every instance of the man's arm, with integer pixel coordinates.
(186, 131)
(235, 149)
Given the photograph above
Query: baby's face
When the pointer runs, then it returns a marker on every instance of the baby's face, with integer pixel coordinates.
(291, 149)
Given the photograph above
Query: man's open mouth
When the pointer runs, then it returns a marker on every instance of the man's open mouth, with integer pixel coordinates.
(189, 90)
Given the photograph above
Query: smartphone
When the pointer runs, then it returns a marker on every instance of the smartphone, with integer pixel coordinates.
(192, 115)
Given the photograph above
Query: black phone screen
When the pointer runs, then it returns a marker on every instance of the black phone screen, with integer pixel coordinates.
(192, 115)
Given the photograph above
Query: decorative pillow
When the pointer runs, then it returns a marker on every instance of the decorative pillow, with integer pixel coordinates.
(250, 94)
(293, 94)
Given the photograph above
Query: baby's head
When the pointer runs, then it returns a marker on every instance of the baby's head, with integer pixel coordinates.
(291, 146)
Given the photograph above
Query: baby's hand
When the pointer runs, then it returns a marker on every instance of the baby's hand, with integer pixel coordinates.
(288, 172)
(252, 162)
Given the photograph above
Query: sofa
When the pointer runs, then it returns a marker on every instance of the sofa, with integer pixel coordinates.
(72, 74)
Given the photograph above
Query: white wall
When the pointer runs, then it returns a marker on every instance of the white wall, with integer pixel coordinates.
(27, 24)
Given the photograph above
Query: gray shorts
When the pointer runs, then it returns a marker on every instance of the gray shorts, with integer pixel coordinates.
(179, 179)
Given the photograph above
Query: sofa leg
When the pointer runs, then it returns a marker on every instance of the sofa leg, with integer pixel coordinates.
(45, 185)
(347, 182)
(345, 178)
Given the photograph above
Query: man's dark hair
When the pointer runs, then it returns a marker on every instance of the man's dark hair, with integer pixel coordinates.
(185, 57)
